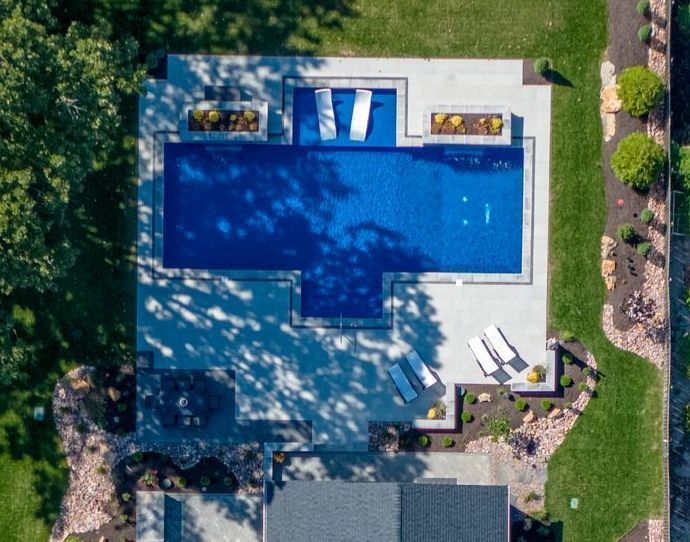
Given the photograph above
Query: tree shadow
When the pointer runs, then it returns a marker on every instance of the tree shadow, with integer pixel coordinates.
(557, 78)
(215, 26)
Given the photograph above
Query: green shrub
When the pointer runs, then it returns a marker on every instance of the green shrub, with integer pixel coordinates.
(424, 440)
(137, 457)
(644, 34)
(644, 248)
(121, 407)
(626, 232)
(567, 336)
(181, 482)
(466, 417)
(520, 404)
(586, 370)
(681, 164)
(567, 358)
(205, 481)
(447, 442)
(470, 398)
(687, 418)
(541, 65)
(646, 216)
(497, 427)
(566, 381)
(124, 518)
(640, 90)
(642, 7)
(638, 160)
(567, 404)
(531, 496)
(102, 469)
(540, 515)
(582, 386)
(126, 497)
(546, 404)
(150, 477)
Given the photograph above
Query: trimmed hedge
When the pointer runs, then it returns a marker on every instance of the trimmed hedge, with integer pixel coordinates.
(640, 90)
(638, 160)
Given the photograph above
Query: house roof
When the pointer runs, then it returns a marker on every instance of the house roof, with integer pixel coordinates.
(303, 511)
(454, 512)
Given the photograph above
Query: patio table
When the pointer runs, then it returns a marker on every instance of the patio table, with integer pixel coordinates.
(184, 402)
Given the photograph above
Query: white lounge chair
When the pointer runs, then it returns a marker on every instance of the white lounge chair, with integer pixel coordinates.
(324, 108)
(402, 383)
(486, 361)
(360, 115)
(421, 370)
(503, 349)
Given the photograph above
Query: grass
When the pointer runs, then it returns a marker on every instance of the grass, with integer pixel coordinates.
(611, 461)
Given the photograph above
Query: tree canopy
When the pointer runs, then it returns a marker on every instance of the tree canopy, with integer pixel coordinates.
(60, 97)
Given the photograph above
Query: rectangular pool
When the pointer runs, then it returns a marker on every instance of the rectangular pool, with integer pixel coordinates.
(343, 215)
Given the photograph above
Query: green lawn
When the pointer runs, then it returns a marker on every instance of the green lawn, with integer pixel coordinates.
(611, 461)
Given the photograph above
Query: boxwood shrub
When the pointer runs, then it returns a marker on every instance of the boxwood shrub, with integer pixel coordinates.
(566, 381)
(640, 90)
(642, 7)
(644, 34)
(546, 404)
(626, 232)
(466, 417)
(447, 441)
(638, 160)
(541, 65)
(520, 404)
(644, 248)
(646, 216)
(470, 398)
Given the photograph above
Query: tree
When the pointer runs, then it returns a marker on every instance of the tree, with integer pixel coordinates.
(60, 96)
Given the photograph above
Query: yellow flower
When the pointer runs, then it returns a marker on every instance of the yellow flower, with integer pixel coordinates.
(432, 414)
(249, 116)
(496, 124)
(456, 120)
(198, 115)
(439, 118)
(533, 377)
(214, 116)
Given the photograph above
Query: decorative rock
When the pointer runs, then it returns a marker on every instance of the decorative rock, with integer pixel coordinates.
(608, 121)
(80, 384)
(607, 72)
(166, 483)
(555, 413)
(608, 267)
(530, 417)
(610, 282)
(607, 246)
(114, 394)
(610, 102)
(484, 398)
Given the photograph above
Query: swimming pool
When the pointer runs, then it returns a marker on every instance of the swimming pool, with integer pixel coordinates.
(343, 215)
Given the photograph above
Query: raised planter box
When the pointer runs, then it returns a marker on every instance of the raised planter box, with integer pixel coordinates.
(224, 121)
(467, 125)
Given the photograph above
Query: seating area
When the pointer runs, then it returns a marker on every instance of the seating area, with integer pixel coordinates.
(326, 113)
(421, 371)
(182, 400)
(493, 358)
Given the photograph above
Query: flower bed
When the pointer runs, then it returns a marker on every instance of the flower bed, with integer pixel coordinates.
(476, 124)
(217, 120)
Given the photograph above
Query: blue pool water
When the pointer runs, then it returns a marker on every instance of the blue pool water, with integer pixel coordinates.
(343, 215)
(382, 118)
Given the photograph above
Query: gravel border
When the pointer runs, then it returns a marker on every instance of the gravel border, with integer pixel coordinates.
(92, 453)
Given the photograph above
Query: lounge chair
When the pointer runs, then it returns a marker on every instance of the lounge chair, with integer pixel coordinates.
(402, 383)
(486, 361)
(360, 115)
(421, 370)
(324, 108)
(503, 349)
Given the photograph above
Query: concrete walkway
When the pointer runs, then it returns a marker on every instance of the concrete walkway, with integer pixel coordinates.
(472, 469)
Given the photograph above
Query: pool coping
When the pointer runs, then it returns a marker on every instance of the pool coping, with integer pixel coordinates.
(294, 277)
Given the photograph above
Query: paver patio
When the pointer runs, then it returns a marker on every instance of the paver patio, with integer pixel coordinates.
(337, 379)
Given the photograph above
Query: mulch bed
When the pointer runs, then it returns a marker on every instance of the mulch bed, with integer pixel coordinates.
(128, 476)
(502, 402)
(639, 533)
(624, 50)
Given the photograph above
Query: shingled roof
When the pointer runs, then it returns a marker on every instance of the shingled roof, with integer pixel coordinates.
(338, 511)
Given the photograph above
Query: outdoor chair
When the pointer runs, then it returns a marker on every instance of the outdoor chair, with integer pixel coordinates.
(324, 109)
(360, 115)
(421, 370)
(214, 402)
(486, 361)
(402, 383)
(502, 348)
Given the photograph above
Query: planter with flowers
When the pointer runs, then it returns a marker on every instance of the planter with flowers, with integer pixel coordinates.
(242, 121)
(467, 125)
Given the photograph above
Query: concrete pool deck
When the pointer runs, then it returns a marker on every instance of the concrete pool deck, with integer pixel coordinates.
(337, 380)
